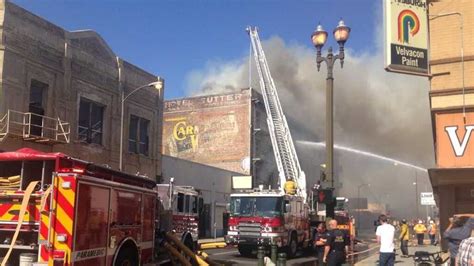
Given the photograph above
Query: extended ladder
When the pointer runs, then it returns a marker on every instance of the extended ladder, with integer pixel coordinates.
(283, 147)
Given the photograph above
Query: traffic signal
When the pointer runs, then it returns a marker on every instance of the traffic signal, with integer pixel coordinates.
(324, 196)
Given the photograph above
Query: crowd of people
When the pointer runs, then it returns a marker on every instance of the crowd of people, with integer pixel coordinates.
(332, 244)
(458, 236)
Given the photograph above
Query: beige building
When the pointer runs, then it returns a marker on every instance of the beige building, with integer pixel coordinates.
(452, 105)
(61, 91)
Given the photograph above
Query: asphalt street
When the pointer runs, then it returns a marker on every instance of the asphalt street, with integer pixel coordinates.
(231, 256)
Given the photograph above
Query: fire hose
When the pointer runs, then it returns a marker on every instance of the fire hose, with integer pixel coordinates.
(171, 237)
(21, 217)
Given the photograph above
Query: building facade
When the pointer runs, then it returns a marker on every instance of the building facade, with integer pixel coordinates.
(227, 131)
(60, 91)
(452, 105)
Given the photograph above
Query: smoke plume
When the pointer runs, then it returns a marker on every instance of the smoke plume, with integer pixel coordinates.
(375, 111)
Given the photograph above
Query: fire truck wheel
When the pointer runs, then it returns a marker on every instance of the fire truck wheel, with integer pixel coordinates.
(292, 246)
(127, 257)
(245, 251)
(188, 242)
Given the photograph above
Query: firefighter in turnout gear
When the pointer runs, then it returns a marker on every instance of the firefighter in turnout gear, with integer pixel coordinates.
(337, 246)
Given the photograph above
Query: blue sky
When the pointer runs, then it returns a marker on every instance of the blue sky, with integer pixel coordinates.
(172, 38)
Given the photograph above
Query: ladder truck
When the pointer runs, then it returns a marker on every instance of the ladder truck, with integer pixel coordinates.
(261, 216)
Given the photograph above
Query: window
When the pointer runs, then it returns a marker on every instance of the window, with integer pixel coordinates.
(188, 204)
(91, 120)
(180, 202)
(36, 106)
(138, 135)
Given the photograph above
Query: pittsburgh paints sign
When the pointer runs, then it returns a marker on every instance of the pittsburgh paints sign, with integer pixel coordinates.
(406, 36)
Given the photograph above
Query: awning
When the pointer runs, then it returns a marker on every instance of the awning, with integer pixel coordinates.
(451, 176)
(29, 154)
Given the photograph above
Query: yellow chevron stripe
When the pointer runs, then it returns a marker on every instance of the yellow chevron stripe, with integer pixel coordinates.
(64, 219)
(68, 194)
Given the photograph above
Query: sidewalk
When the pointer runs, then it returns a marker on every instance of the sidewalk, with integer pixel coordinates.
(373, 260)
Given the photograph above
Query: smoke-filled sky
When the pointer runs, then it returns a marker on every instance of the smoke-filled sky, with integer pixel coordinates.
(375, 111)
(201, 47)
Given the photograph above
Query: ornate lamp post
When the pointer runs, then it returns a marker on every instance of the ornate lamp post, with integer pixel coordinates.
(319, 38)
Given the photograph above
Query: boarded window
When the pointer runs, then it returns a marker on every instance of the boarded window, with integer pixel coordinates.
(138, 139)
(91, 120)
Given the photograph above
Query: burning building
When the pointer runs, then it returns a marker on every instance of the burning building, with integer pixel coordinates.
(227, 131)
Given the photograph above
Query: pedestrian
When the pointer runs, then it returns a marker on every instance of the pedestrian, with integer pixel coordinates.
(420, 230)
(376, 224)
(432, 230)
(320, 239)
(465, 255)
(337, 246)
(459, 229)
(404, 237)
(385, 235)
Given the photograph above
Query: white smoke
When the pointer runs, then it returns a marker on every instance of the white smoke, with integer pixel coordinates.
(376, 111)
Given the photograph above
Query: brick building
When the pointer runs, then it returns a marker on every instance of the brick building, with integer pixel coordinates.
(452, 105)
(227, 131)
(60, 91)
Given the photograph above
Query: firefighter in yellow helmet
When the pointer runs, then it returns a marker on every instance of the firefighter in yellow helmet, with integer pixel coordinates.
(290, 187)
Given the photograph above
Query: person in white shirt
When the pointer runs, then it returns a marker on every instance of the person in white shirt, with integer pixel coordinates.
(385, 234)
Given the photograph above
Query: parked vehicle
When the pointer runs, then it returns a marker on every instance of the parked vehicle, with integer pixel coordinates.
(58, 210)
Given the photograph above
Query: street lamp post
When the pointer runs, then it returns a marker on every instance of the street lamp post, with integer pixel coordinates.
(319, 37)
(358, 201)
(158, 85)
(416, 194)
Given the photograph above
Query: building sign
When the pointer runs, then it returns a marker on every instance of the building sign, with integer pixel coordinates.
(212, 130)
(406, 36)
(454, 139)
(426, 198)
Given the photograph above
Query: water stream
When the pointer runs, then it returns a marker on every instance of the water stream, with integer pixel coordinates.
(364, 153)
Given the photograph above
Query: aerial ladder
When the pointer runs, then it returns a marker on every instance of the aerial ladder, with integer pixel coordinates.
(289, 168)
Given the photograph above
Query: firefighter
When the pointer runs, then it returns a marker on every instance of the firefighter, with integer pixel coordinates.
(337, 246)
(420, 230)
(404, 237)
(320, 239)
(290, 187)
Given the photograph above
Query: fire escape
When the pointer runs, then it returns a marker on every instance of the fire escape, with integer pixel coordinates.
(34, 127)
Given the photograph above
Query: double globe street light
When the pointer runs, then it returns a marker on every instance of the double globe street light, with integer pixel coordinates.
(319, 38)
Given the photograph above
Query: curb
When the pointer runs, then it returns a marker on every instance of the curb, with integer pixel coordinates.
(212, 245)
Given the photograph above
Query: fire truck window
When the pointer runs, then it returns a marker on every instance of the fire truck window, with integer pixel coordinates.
(194, 204)
(180, 202)
(188, 204)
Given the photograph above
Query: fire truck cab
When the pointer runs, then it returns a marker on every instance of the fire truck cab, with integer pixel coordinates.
(66, 211)
(182, 210)
(264, 217)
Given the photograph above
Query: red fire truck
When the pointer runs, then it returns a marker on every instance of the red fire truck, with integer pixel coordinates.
(65, 211)
(264, 217)
(185, 205)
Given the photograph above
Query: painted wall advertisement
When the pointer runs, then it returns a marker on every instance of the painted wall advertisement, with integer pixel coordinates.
(212, 130)
(406, 36)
